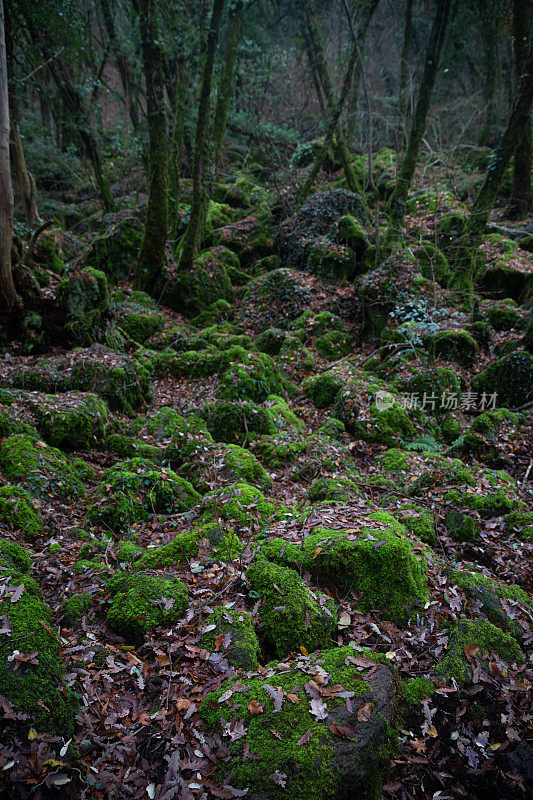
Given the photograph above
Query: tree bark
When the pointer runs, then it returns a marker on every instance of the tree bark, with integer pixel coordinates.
(404, 70)
(200, 199)
(490, 37)
(225, 88)
(423, 102)
(522, 197)
(9, 300)
(150, 263)
(353, 99)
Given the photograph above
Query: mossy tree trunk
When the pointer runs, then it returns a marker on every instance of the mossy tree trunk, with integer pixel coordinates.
(200, 199)
(9, 300)
(178, 133)
(150, 263)
(476, 224)
(368, 12)
(130, 103)
(522, 197)
(491, 40)
(423, 102)
(317, 62)
(225, 88)
(404, 75)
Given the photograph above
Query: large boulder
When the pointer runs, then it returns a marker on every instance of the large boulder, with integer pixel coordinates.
(320, 727)
(194, 291)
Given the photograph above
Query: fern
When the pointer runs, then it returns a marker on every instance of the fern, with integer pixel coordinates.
(423, 444)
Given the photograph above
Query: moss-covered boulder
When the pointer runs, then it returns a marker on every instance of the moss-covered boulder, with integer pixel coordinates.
(194, 291)
(232, 634)
(510, 378)
(271, 341)
(75, 608)
(142, 602)
(30, 666)
(291, 615)
(461, 527)
(333, 490)
(277, 298)
(42, 469)
(121, 380)
(334, 345)
(115, 252)
(226, 463)
(85, 296)
(17, 508)
(433, 263)
(74, 420)
(311, 743)
(255, 378)
(430, 386)
(490, 596)
(234, 422)
(141, 325)
(134, 489)
(482, 638)
(294, 356)
(241, 502)
(503, 315)
(322, 389)
(458, 346)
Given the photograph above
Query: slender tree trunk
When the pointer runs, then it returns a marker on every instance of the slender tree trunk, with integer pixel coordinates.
(150, 264)
(9, 299)
(178, 133)
(200, 199)
(522, 197)
(24, 179)
(476, 224)
(423, 102)
(353, 99)
(331, 127)
(490, 36)
(225, 89)
(404, 74)
(318, 63)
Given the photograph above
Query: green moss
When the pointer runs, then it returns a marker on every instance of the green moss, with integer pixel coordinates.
(123, 382)
(482, 332)
(235, 422)
(75, 607)
(352, 233)
(419, 521)
(194, 291)
(504, 315)
(117, 249)
(133, 489)
(433, 263)
(487, 594)
(455, 345)
(414, 691)
(476, 633)
(522, 523)
(128, 447)
(85, 295)
(388, 427)
(338, 490)
(310, 770)
(329, 260)
(271, 341)
(243, 467)
(430, 385)
(511, 378)
(376, 563)
(127, 551)
(240, 644)
(322, 389)
(461, 527)
(291, 615)
(35, 688)
(142, 602)
(393, 460)
(44, 470)
(86, 565)
(334, 345)
(18, 509)
(141, 326)
(278, 451)
(293, 355)
(239, 502)
(71, 420)
(254, 378)
(14, 558)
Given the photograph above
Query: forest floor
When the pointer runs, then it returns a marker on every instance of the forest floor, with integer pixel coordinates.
(138, 732)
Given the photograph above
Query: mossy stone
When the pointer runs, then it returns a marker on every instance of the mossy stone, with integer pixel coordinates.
(72, 420)
(43, 470)
(240, 644)
(142, 602)
(476, 634)
(18, 509)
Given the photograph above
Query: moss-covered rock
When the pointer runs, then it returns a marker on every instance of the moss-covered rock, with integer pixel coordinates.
(419, 521)
(322, 389)
(334, 345)
(43, 470)
(271, 341)
(85, 296)
(254, 378)
(142, 602)
(140, 326)
(121, 380)
(503, 315)
(388, 426)
(461, 527)
(458, 346)
(235, 422)
(240, 502)
(73, 420)
(232, 634)
(194, 291)
(393, 460)
(226, 463)
(489, 595)
(433, 263)
(521, 523)
(510, 378)
(133, 489)
(429, 387)
(115, 252)
(477, 635)
(295, 356)
(17, 508)
(337, 490)
(75, 607)
(323, 765)
(291, 615)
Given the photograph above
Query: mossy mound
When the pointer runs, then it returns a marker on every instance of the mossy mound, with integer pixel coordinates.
(73, 420)
(142, 602)
(18, 509)
(85, 296)
(42, 469)
(510, 378)
(335, 490)
(433, 263)
(503, 315)
(116, 251)
(477, 635)
(520, 522)
(33, 684)
(226, 463)
(255, 378)
(75, 607)
(291, 615)
(388, 426)
(194, 291)
(279, 297)
(461, 527)
(334, 345)
(295, 356)
(240, 502)
(221, 541)
(141, 325)
(121, 380)
(235, 422)
(489, 595)
(487, 433)
(322, 389)
(430, 386)
(133, 489)
(232, 634)
(306, 751)
(458, 346)
(271, 341)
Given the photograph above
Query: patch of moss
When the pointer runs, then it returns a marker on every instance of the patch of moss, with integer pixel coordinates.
(336, 490)
(234, 422)
(322, 389)
(127, 551)
(458, 346)
(140, 326)
(239, 502)
(44, 470)
(122, 381)
(254, 378)
(142, 602)
(291, 615)
(483, 635)
(414, 691)
(503, 315)
(511, 378)
(74, 421)
(240, 644)
(393, 460)
(18, 509)
(334, 345)
(271, 341)
(461, 527)
(75, 607)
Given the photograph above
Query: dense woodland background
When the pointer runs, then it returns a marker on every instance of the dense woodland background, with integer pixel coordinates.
(266, 386)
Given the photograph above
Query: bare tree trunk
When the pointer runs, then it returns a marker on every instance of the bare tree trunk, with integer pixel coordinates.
(404, 69)
(423, 101)
(200, 199)
(150, 264)
(9, 299)
(522, 197)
